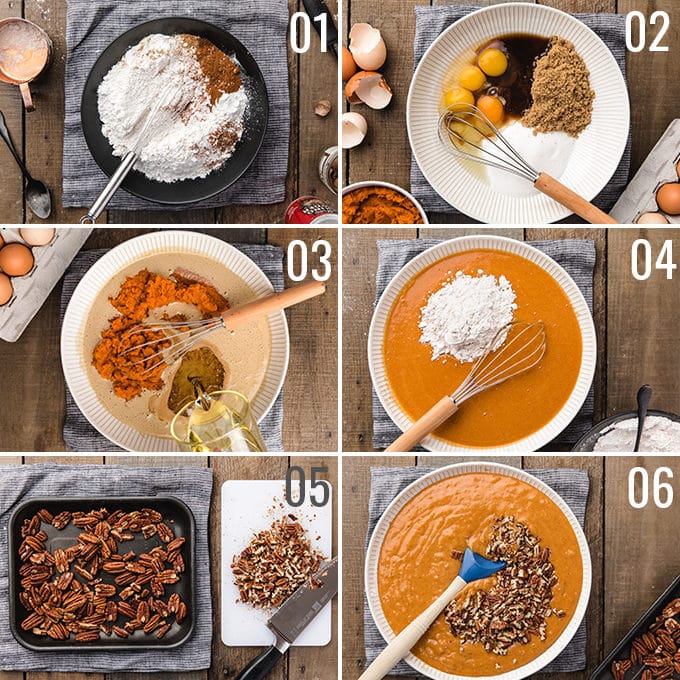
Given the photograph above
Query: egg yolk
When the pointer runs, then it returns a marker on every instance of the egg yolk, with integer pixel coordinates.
(458, 95)
(493, 62)
(491, 107)
(471, 78)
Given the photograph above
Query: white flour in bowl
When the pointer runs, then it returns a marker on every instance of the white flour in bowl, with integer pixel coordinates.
(462, 318)
(659, 435)
(197, 131)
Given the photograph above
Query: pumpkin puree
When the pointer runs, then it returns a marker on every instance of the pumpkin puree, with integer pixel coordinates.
(510, 411)
(415, 564)
(378, 205)
(138, 295)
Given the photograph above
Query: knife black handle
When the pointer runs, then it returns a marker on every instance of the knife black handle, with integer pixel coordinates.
(313, 9)
(261, 665)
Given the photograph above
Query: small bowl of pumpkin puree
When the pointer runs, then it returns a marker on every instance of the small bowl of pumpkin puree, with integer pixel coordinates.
(380, 203)
(507, 626)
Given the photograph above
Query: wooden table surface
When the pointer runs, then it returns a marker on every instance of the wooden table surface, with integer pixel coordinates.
(39, 135)
(386, 154)
(302, 663)
(31, 368)
(637, 325)
(630, 549)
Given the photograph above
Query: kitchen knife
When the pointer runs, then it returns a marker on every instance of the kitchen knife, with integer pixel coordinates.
(294, 615)
(316, 7)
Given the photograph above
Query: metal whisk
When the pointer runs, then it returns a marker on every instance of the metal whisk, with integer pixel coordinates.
(174, 338)
(460, 128)
(523, 348)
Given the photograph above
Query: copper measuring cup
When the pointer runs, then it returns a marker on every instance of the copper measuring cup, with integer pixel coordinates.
(25, 52)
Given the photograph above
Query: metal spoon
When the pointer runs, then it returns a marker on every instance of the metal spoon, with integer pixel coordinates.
(37, 194)
(643, 396)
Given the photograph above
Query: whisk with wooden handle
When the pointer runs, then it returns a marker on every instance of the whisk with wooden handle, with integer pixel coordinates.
(523, 349)
(185, 335)
(460, 129)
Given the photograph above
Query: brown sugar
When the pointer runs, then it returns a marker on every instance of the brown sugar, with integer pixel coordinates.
(222, 73)
(120, 356)
(561, 92)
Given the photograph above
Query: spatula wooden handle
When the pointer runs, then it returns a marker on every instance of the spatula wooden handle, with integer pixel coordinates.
(425, 425)
(272, 303)
(400, 646)
(570, 199)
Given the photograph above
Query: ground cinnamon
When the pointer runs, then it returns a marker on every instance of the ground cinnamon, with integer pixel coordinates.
(221, 72)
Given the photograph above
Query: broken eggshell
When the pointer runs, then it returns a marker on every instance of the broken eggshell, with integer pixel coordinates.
(354, 129)
(367, 47)
(370, 88)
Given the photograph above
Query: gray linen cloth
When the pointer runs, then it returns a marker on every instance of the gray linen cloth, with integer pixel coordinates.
(79, 435)
(386, 483)
(431, 21)
(578, 259)
(191, 485)
(261, 25)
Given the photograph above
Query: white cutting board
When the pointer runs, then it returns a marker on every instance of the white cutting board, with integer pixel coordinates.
(249, 506)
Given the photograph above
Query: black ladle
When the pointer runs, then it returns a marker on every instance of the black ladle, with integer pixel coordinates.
(37, 194)
(643, 396)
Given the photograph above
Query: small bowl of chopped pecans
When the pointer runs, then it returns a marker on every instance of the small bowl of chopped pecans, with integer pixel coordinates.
(101, 574)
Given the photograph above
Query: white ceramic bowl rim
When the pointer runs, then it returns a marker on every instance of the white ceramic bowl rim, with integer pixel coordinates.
(393, 509)
(121, 256)
(467, 243)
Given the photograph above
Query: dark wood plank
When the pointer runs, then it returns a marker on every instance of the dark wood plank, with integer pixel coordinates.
(227, 662)
(359, 266)
(319, 662)
(643, 326)
(310, 395)
(648, 74)
(11, 180)
(385, 153)
(318, 79)
(356, 488)
(189, 216)
(45, 127)
(639, 561)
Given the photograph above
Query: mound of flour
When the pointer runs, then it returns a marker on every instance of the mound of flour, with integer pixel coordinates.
(190, 136)
(462, 318)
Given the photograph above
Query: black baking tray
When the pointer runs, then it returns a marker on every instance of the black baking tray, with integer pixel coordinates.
(175, 513)
(622, 650)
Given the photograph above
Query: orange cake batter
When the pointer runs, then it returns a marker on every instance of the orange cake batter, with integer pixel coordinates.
(505, 413)
(415, 564)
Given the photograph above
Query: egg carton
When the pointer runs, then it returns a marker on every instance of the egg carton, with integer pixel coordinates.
(658, 168)
(31, 291)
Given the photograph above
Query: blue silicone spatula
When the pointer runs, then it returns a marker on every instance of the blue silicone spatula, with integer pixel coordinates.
(473, 568)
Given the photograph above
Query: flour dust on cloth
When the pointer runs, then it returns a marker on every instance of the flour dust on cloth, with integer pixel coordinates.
(193, 485)
(79, 435)
(386, 483)
(578, 259)
(261, 25)
(432, 21)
